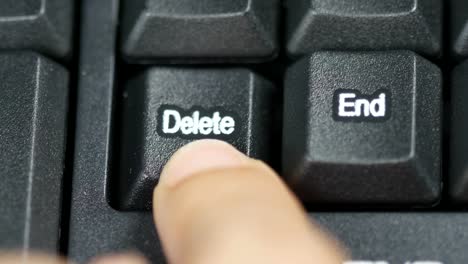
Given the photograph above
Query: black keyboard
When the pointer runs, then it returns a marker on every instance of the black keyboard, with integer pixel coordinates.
(359, 104)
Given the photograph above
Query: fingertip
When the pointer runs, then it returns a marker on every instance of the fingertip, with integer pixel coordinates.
(233, 208)
(129, 258)
(26, 257)
(198, 156)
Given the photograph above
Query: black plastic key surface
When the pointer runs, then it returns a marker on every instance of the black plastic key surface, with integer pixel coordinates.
(363, 25)
(200, 29)
(400, 238)
(459, 130)
(166, 108)
(459, 28)
(33, 107)
(41, 25)
(363, 128)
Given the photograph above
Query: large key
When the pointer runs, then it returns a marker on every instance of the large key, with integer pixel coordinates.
(458, 182)
(166, 108)
(363, 129)
(208, 30)
(459, 27)
(362, 25)
(33, 107)
(40, 25)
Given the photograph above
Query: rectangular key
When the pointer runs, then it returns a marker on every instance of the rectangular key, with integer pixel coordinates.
(41, 25)
(204, 30)
(458, 183)
(166, 108)
(400, 237)
(459, 28)
(314, 25)
(363, 128)
(33, 107)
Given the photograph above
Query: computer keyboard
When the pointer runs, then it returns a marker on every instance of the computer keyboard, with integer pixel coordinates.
(359, 104)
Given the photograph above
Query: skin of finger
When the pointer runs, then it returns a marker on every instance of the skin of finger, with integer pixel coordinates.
(129, 258)
(238, 215)
(30, 258)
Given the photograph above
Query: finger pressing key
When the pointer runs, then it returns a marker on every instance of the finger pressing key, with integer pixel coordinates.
(215, 205)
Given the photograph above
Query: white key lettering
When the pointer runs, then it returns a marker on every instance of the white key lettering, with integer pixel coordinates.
(350, 105)
(192, 123)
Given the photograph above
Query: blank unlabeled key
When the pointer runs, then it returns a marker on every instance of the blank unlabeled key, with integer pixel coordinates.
(204, 30)
(458, 184)
(33, 107)
(40, 25)
(314, 25)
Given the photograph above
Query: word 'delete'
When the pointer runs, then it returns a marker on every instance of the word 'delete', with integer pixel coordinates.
(179, 122)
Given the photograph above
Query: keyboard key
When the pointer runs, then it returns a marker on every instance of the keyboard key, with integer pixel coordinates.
(314, 25)
(200, 29)
(459, 27)
(40, 25)
(400, 237)
(166, 108)
(363, 129)
(458, 183)
(33, 107)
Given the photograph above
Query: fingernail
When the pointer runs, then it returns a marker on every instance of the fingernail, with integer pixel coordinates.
(199, 156)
